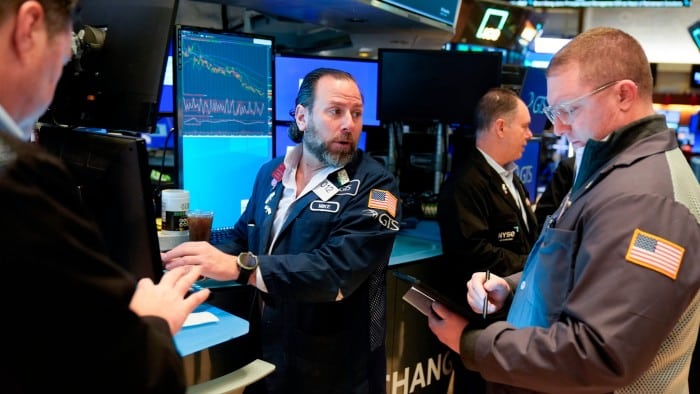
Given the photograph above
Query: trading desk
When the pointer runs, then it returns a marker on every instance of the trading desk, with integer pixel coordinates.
(417, 244)
(196, 338)
(193, 342)
(416, 360)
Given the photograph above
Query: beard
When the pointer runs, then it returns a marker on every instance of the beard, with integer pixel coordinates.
(319, 148)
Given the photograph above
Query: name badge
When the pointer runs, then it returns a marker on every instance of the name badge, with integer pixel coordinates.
(325, 190)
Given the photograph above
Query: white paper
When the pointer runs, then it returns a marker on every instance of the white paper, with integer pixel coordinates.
(197, 318)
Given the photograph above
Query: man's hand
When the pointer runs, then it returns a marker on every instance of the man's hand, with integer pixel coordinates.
(167, 298)
(496, 289)
(447, 326)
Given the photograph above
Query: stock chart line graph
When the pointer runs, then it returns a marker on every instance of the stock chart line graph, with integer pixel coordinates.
(225, 85)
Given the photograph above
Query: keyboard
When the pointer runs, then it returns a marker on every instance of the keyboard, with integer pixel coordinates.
(221, 235)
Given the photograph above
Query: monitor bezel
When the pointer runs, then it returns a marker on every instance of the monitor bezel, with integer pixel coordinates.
(123, 207)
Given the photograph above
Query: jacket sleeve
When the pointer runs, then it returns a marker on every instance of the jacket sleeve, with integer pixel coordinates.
(84, 312)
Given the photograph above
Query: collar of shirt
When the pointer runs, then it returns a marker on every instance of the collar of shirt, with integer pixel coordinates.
(289, 188)
(507, 178)
(291, 163)
(10, 126)
(505, 173)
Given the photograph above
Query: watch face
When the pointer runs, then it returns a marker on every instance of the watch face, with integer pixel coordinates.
(247, 260)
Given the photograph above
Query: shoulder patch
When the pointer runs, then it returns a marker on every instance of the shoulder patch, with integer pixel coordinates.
(653, 252)
(382, 199)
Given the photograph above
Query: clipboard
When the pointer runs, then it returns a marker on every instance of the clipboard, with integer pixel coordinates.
(421, 296)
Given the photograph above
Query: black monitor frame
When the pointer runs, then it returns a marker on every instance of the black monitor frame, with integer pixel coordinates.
(111, 172)
(695, 76)
(438, 13)
(116, 87)
(421, 85)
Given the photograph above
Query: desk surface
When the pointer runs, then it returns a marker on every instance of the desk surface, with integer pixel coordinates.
(193, 339)
(421, 242)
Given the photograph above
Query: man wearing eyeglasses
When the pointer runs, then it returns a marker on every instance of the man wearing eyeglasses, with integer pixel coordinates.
(608, 300)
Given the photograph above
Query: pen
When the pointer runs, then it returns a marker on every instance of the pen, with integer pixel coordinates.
(486, 298)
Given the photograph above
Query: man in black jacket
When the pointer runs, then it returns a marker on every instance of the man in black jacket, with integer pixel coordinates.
(484, 212)
(117, 334)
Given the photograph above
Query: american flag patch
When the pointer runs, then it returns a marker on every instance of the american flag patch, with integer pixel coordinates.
(382, 199)
(655, 253)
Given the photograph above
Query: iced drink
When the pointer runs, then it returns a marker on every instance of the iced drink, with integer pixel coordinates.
(200, 224)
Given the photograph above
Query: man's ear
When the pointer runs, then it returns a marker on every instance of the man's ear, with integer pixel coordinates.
(628, 93)
(499, 125)
(29, 24)
(300, 115)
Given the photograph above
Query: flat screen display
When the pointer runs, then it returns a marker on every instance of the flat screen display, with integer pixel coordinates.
(695, 76)
(166, 93)
(440, 11)
(534, 93)
(290, 72)
(118, 86)
(673, 117)
(529, 167)
(433, 85)
(224, 116)
(112, 177)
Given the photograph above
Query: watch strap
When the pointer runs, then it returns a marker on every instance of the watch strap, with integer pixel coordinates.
(246, 270)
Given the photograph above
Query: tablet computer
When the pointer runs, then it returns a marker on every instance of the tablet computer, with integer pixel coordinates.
(421, 296)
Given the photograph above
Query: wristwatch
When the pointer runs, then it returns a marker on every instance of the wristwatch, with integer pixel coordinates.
(247, 263)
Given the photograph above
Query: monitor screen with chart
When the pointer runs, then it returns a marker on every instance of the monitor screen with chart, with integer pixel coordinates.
(224, 116)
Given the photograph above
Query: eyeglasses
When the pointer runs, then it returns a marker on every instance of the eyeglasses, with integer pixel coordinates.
(565, 111)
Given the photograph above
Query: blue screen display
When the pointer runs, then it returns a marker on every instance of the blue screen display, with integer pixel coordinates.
(166, 93)
(290, 71)
(534, 94)
(224, 84)
(219, 172)
(528, 167)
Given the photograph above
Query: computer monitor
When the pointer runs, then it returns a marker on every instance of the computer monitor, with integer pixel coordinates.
(695, 76)
(694, 129)
(284, 143)
(438, 13)
(112, 177)
(434, 85)
(529, 167)
(167, 99)
(224, 116)
(534, 93)
(118, 86)
(291, 69)
(673, 117)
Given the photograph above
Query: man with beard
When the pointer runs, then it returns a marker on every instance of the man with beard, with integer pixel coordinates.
(315, 241)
